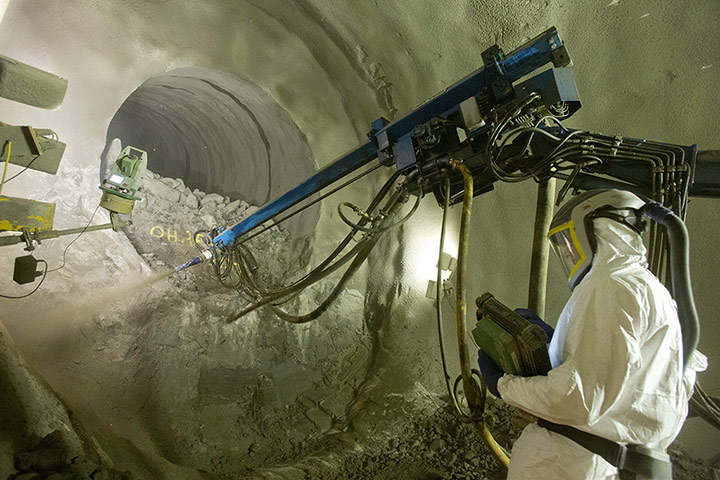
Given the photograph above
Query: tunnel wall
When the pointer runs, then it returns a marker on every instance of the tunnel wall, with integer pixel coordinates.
(219, 133)
(643, 69)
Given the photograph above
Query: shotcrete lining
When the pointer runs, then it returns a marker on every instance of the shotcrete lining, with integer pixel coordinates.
(219, 133)
(314, 77)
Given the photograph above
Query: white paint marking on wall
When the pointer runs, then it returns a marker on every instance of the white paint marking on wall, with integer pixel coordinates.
(645, 16)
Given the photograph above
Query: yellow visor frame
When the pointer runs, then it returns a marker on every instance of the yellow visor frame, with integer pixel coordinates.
(564, 241)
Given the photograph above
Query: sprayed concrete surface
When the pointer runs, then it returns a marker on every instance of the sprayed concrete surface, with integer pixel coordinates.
(219, 132)
(144, 369)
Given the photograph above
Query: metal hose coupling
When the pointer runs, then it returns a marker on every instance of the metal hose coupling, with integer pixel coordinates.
(205, 256)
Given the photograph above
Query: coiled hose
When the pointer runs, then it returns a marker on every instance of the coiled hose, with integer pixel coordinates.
(475, 395)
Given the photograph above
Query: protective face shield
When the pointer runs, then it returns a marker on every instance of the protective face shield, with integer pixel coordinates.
(571, 231)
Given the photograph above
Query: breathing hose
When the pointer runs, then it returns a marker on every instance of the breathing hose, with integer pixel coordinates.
(475, 396)
(680, 274)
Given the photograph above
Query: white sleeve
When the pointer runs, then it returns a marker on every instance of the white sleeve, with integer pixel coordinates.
(599, 351)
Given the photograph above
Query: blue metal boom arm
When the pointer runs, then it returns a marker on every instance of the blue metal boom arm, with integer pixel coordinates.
(494, 77)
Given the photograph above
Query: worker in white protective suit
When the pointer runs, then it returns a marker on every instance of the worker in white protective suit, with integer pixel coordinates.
(616, 353)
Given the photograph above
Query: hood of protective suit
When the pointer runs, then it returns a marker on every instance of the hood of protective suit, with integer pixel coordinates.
(617, 245)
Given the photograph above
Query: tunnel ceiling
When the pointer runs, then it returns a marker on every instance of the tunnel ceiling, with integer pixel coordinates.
(219, 133)
(159, 380)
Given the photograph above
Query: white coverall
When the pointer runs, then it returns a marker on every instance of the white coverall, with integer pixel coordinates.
(617, 367)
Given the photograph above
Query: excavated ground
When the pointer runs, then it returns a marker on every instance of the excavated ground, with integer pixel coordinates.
(165, 381)
(140, 373)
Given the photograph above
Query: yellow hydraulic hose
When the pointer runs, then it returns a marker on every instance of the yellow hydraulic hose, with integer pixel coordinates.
(474, 396)
(470, 387)
(499, 453)
(6, 164)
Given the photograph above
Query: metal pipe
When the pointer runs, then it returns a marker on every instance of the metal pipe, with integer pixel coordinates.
(541, 248)
(46, 235)
(7, 160)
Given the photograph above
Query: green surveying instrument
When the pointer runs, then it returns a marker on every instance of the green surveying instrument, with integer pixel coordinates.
(124, 180)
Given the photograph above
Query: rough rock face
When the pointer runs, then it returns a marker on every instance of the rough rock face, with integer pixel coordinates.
(54, 456)
(159, 386)
(331, 66)
(261, 392)
(268, 399)
(222, 393)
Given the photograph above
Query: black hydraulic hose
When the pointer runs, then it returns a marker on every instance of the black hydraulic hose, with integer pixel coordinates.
(680, 274)
(392, 206)
(300, 285)
(438, 309)
(354, 267)
(355, 226)
(319, 271)
(348, 238)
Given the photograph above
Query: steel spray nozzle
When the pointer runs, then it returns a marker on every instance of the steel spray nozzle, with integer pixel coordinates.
(203, 257)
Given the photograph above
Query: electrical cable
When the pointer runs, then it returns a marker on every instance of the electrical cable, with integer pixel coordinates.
(25, 169)
(74, 240)
(34, 289)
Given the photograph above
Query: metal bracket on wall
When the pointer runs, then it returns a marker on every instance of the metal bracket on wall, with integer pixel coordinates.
(31, 148)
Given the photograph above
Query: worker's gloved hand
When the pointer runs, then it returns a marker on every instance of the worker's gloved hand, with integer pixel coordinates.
(491, 373)
(533, 317)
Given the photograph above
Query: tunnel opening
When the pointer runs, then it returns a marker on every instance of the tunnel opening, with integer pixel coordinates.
(219, 133)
